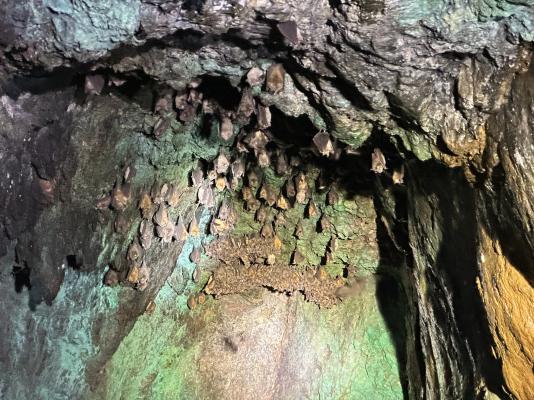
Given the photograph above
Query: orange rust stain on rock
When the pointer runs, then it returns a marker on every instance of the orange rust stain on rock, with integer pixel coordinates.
(508, 298)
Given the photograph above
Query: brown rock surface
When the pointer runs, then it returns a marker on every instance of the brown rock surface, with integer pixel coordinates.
(509, 300)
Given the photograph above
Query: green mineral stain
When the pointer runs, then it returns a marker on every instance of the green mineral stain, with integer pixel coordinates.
(154, 361)
(66, 326)
(466, 18)
(83, 25)
(162, 369)
(361, 359)
(415, 143)
(346, 352)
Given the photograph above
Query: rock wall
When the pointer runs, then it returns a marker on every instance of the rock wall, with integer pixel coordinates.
(445, 88)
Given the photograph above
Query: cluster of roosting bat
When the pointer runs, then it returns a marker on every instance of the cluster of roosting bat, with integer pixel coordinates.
(249, 150)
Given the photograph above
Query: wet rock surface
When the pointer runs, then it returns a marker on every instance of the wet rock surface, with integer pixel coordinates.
(421, 112)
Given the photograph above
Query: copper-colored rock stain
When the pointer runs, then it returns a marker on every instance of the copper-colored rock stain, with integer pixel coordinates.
(508, 298)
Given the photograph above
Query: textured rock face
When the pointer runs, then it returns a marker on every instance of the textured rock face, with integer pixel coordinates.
(445, 88)
(264, 345)
(453, 332)
(505, 236)
(508, 297)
